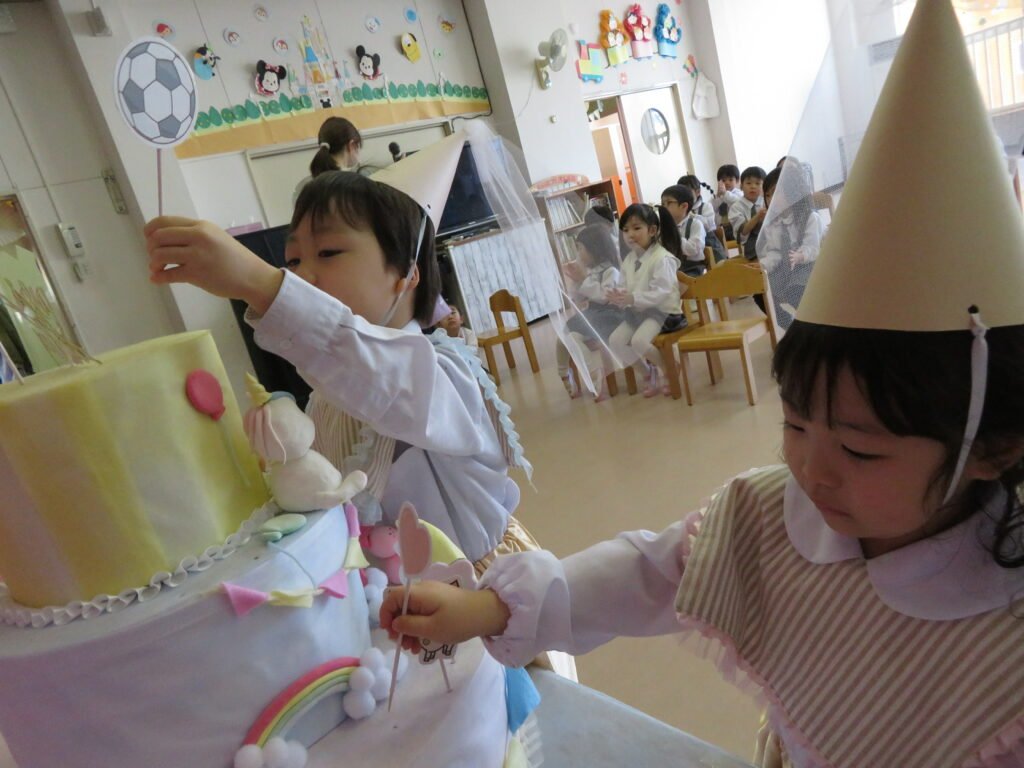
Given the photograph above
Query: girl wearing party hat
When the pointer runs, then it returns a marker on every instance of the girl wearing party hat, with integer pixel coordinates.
(870, 591)
(417, 414)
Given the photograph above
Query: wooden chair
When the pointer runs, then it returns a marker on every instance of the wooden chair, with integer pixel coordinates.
(500, 302)
(731, 279)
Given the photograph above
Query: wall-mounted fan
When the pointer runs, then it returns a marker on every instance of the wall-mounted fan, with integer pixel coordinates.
(553, 53)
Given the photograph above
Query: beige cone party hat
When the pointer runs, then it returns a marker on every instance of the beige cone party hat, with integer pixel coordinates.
(427, 175)
(927, 225)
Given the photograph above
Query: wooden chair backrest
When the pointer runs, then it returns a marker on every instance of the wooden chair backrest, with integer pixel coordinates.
(709, 257)
(730, 279)
(503, 301)
(720, 234)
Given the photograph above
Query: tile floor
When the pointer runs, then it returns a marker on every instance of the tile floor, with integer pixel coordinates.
(635, 463)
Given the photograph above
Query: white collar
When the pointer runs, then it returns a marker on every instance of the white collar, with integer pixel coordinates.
(948, 576)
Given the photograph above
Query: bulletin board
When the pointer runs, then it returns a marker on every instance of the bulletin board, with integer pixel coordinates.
(315, 41)
(276, 173)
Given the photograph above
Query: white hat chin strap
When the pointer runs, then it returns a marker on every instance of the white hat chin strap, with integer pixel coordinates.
(408, 275)
(979, 383)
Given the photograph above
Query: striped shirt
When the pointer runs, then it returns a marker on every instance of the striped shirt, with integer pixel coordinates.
(850, 682)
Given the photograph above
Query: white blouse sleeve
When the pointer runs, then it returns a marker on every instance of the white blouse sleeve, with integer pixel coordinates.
(663, 284)
(693, 248)
(811, 244)
(592, 287)
(623, 587)
(391, 379)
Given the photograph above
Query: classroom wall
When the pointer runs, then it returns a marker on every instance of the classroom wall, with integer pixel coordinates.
(769, 55)
(52, 155)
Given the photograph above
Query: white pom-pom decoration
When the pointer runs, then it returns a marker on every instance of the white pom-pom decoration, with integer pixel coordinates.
(373, 594)
(382, 685)
(359, 704)
(249, 756)
(361, 679)
(373, 659)
(403, 665)
(297, 756)
(375, 577)
(379, 638)
(275, 753)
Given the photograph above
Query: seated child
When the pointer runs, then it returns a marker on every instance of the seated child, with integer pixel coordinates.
(588, 281)
(747, 213)
(650, 297)
(728, 193)
(678, 200)
(452, 325)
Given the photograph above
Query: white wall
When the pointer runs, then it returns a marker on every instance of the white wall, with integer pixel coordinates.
(52, 156)
(94, 57)
(769, 55)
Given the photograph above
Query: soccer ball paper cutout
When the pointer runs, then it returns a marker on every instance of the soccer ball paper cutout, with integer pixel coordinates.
(156, 92)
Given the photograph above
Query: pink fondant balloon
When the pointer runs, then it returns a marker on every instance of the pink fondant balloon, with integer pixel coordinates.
(413, 541)
(205, 393)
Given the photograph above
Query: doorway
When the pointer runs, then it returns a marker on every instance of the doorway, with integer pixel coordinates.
(640, 137)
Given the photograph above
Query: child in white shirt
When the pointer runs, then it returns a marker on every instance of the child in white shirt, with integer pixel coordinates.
(747, 213)
(651, 295)
(678, 200)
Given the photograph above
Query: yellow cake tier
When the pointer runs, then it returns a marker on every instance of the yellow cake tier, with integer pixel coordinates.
(109, 475)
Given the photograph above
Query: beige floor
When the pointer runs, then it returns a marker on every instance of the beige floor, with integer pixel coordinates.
(634, 463)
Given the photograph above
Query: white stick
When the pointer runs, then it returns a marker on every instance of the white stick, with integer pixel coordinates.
(398, 645)
(444, 671)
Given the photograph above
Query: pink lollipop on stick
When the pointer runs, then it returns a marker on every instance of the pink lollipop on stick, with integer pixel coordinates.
(414, 547)
(205, 394)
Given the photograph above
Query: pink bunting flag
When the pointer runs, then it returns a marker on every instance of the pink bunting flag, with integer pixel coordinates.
(336, 585)
(244, 600)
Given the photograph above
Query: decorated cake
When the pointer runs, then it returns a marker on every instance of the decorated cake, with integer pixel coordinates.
(158, 609)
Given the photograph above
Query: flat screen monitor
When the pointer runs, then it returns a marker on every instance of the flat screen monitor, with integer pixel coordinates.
(467, 206)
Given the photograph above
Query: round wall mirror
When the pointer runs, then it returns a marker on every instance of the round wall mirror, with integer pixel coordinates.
(654, 130)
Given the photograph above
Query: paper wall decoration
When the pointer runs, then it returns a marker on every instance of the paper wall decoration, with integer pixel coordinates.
(261, 13)
(691, 66)
(163, 30)
(155, 92)
(204, 62)
(269, 78)
(411, 16)
(232, 36)
(410, 46)
(280, 45)
(446, 24)
(368, 63)
(372, 24)
(591, 62)
(640, 32)
(667, 32)
(613, 39)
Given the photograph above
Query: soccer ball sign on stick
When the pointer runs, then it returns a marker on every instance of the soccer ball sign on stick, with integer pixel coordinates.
(156, 92)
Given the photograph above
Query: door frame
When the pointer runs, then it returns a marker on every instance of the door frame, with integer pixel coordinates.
(681, 114)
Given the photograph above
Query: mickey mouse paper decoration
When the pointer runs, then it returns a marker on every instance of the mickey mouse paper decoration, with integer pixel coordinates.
(613, 39)
(667, 32)
(368, 63)
(269, 78)
(638, 26)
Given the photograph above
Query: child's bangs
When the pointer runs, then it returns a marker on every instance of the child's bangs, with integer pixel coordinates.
(905, 377)
(338, 194)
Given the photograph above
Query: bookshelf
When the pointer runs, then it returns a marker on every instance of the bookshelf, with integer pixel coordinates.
(563, 210)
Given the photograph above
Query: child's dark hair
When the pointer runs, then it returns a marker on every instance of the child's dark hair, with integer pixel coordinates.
(679, 193)
(771, 180)
(392, 216)
(728, 172)
(753, 172)
(920, 384)
(596, 239)
(656, 216)
(598, 214)
(336, 133)
(691, 181)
